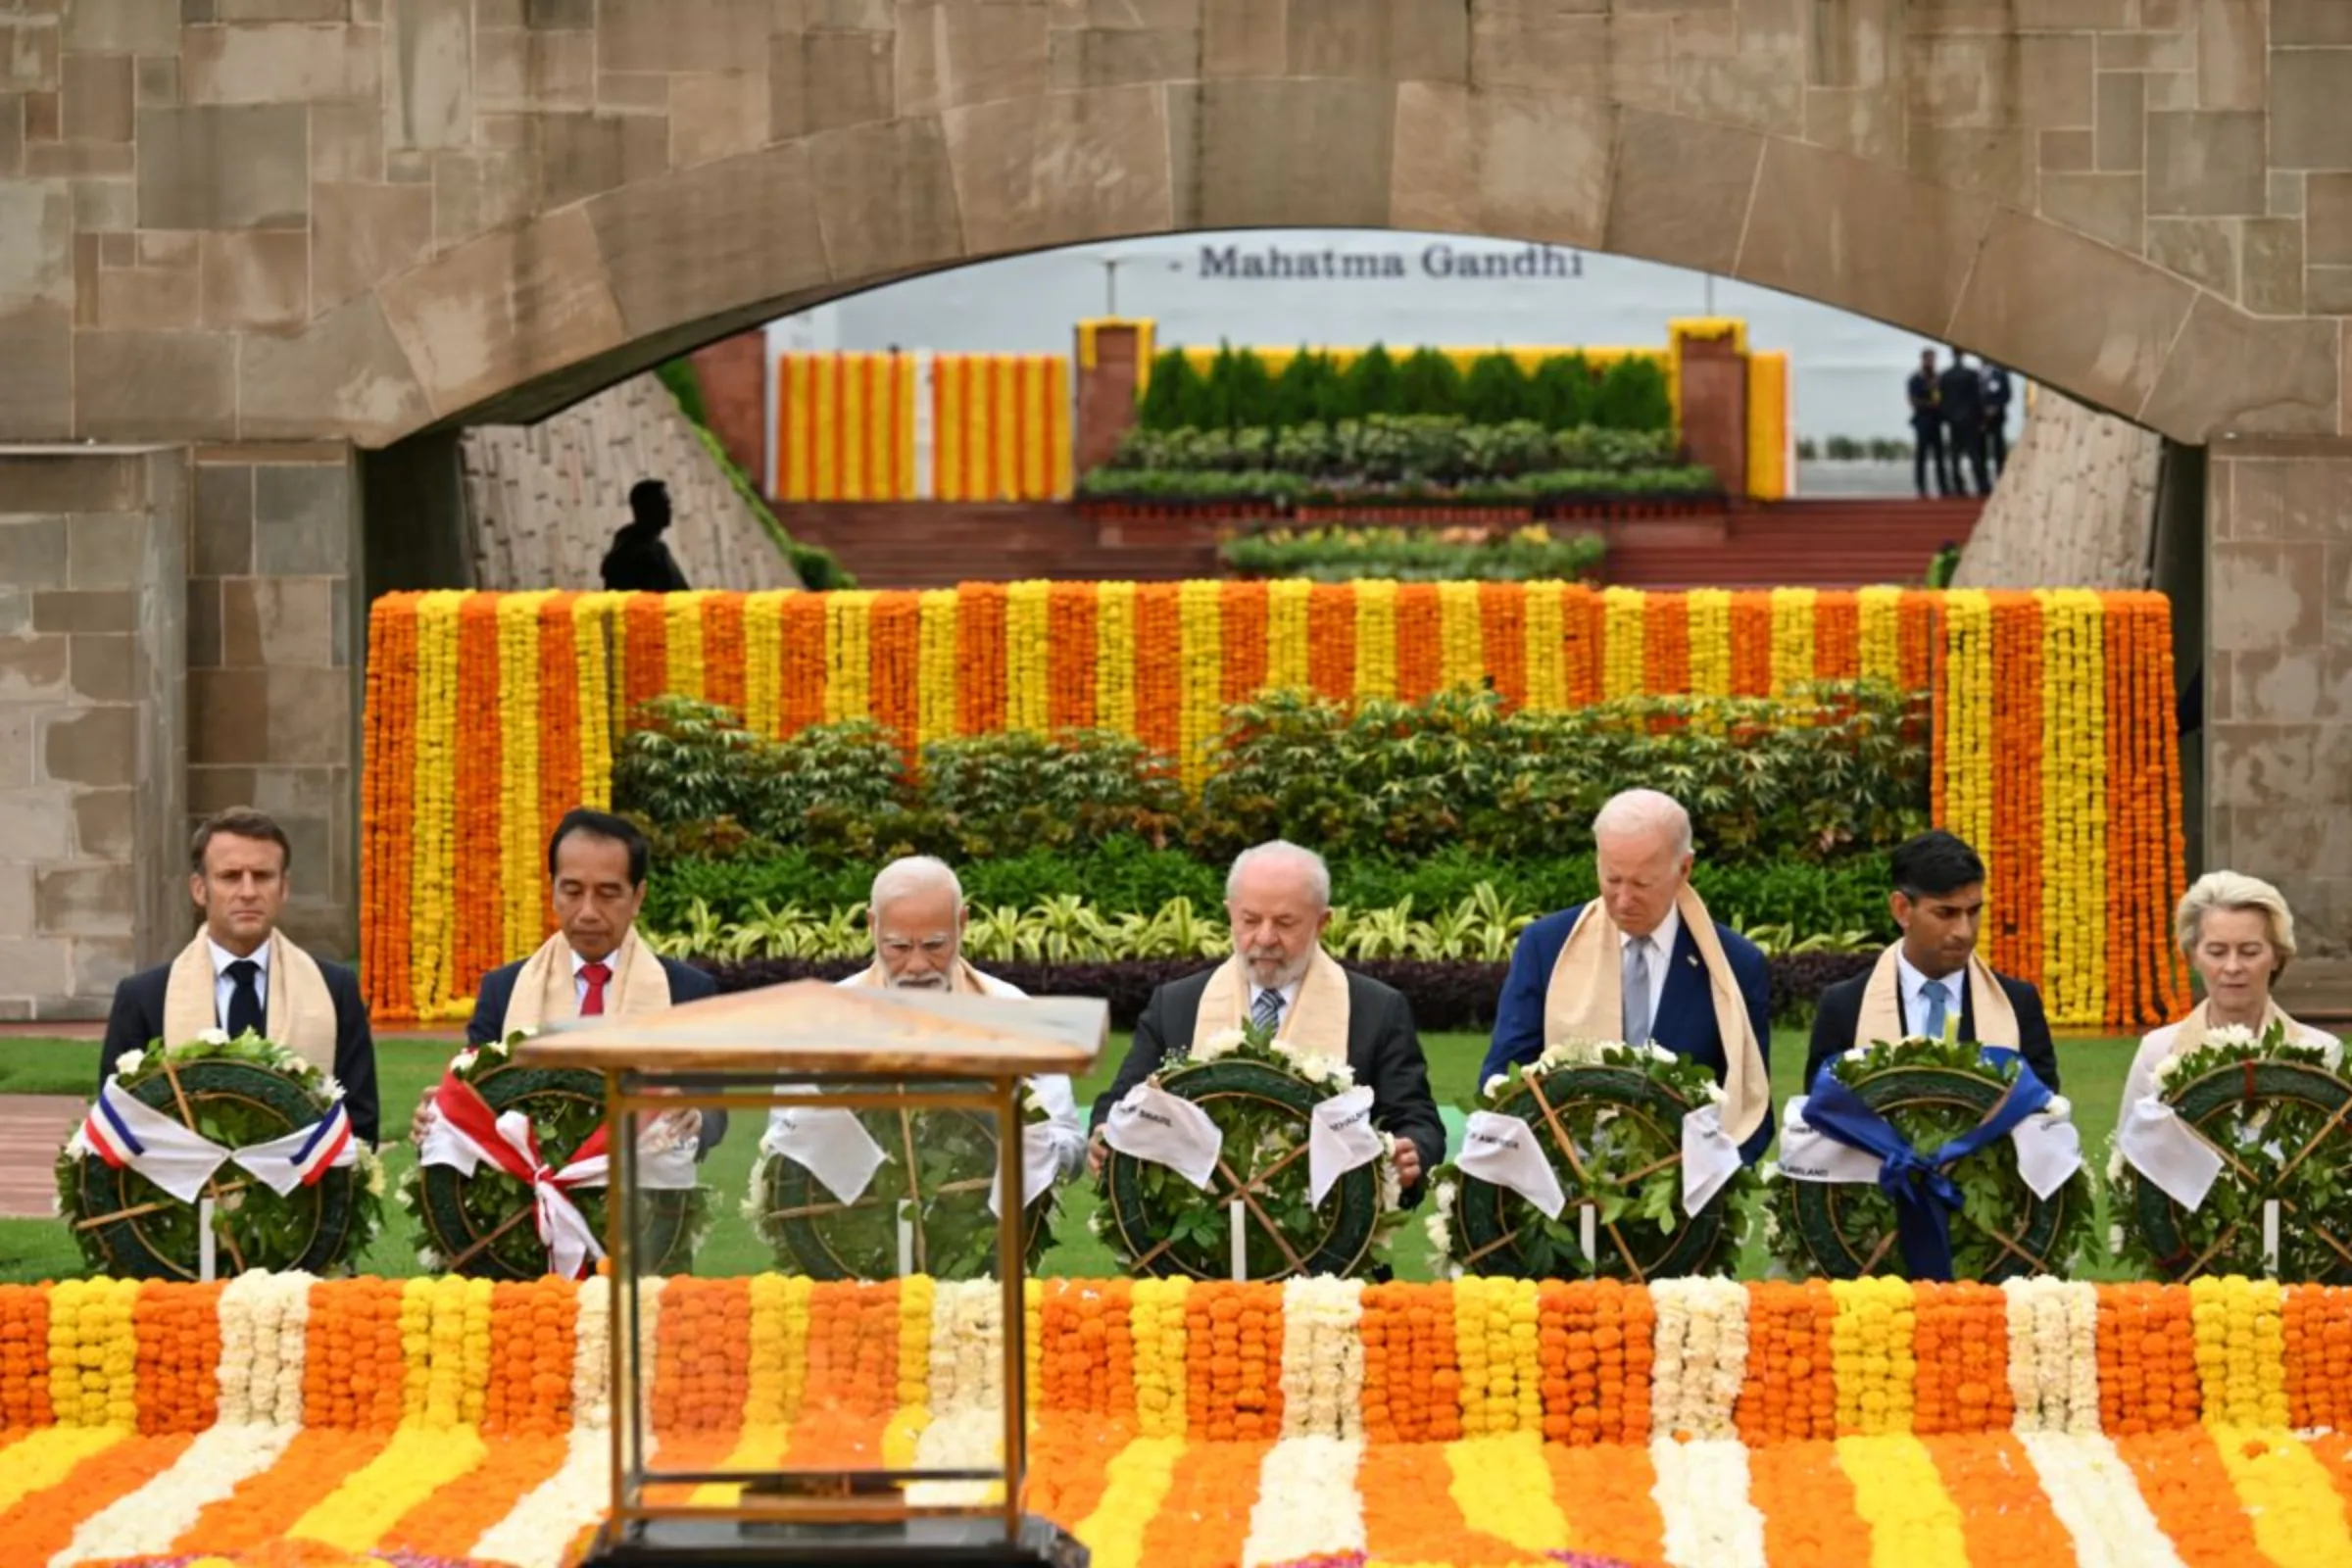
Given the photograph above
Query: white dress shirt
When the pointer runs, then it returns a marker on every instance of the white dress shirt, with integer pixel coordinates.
(225, 988)
(1661, 956)
(1914, 989)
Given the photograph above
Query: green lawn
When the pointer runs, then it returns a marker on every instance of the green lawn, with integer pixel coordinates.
(38, 1249)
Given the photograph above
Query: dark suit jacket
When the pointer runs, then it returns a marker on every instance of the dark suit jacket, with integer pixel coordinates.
(686, 984)
(1841, 1013)
(1686, 1022)
(137, 1022)
(1383, 1050)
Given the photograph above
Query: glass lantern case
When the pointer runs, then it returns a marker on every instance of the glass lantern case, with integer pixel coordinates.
(889, 1124)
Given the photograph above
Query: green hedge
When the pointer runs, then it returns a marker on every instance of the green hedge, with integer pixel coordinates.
(1563, 391)
(1342, 555)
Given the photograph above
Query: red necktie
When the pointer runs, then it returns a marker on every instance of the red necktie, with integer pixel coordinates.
(596, 974)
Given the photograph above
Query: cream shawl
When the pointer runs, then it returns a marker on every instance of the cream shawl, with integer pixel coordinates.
(296, 1012)
(2194, 1028)
(966, 981)
(1586, 1001)
(1316, 1024)
(1984, 1001)
(547, 992)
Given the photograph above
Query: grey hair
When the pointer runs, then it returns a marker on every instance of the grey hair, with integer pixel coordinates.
(1644, 811)
(914, 873)
(2234, 890)
(1318, 875)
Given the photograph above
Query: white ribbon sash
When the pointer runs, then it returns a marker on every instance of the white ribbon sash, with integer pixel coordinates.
(831, 1144)
(2159, 1144)
(1339, 1137)
(1502, 1150)
(1709, 1157)
(1150, 1123)
(1041, 1163)
(570, 1241)
(2049, 1150)
(124, 1132)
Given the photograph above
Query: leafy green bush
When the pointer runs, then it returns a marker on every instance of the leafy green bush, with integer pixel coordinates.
(692, 762)
(1780, 903)
(1563, 391)
(1343, 553)
(1273, 487)
(1811, 777)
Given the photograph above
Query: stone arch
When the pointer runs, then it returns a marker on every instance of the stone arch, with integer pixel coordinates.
(514, 322)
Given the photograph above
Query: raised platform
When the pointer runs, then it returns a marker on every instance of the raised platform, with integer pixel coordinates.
(1843, 543)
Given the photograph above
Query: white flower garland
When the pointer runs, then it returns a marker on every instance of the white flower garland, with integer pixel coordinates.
(592, 1356)
(1308, 1504)
(1699, 1356)
(539, 1530)
(1322, 1359)
(1330, 1073)
(1702, 1499)
(146, 1522)
(265, 1322)
(2098, 1497)
(967, 1354)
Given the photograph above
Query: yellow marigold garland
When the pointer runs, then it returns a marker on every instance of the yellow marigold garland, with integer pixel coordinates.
(849, 655)
(1880, 617)
(1624, 655)
(93, 1353)
(1287, 633)
(1461, 644)
(2074, 758)
(763, 661)
(1792, 637)
(682, 617)
(1157, 1319)
(1375, 638)
(1547, 669)
(1968, 750)
(1028, 684)
(431, 885)
(2242, 1350)
(934, 660)
(521, 830)
(598, 638)
(1114, 656)
(1201, 627)
(1871, 1345)
(1710, 614)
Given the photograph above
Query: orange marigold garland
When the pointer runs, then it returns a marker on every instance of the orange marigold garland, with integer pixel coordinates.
(980, 659)
(722, 651)
(1243, 616)
(645, 673)
(1418, 658)
(1073, 641)
(1331, 641)
(1503, 627)
(895, 629)
(1666, 645)
(1836, 635)
(800, 697)
(1159, 666)
(179, 1330)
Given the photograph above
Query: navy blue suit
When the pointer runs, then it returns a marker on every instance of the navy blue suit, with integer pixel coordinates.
(1686, 1021)
(686, 984)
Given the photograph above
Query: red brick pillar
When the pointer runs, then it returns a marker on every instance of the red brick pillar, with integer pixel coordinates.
(1106, 392)
(1714, 393)
(733, 376)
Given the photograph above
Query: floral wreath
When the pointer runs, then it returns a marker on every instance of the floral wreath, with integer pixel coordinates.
(483, 1224)
(235, 1093)
(1261, 1094)
(2273, 1111)
(1608, 1120)
(1931, 1092)
(938, 1167)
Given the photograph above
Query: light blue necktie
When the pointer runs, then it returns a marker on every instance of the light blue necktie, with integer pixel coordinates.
(1937, 1000)
(1267, 1010)
(1637, 992)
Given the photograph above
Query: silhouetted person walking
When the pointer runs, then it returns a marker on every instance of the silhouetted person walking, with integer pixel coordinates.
(1996, 416)
(639, 561)
(1960, 393)
(1927, 429)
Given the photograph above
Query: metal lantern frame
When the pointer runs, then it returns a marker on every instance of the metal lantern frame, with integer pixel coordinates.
(810, 1045)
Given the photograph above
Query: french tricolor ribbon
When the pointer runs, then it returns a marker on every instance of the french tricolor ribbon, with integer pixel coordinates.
(126, 1132)
(467, 1135)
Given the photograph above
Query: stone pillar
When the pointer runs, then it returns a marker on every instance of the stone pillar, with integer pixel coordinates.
(2277, 691)
(733, 376)
(1107, 393)
(277, 634)
(92, 658)
(1713, 376)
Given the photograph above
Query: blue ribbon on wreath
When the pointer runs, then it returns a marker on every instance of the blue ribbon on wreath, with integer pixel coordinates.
(1924, 1196)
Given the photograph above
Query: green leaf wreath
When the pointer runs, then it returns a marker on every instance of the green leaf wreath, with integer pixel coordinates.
(1931, 1092)
(483, 1225)
(937, 1165)
(2275, 1109)
(238, 1093)
(1262, 1096)
(1608, 1117)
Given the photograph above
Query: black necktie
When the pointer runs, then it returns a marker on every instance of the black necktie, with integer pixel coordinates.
(244, 998)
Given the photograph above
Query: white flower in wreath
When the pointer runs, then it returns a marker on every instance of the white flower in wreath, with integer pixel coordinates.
(428, 1260)
(130, 1062)
(1446, 1194)
(1441, 1235)
(1658, 1053)
(1858, 1053)
(1494, 1086)
(331, 1087)
(1224, 1042)
(2115, 1165)
(211, 1037)
(1715, 1095)
(2166, 1068)
(2059, 1108)
(375, 1173)
(2232, 1035)
(463, 1062)
(1769, 1171)
(2115, 1238)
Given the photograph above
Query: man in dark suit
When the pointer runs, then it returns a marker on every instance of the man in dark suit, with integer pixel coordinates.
(1927, 429)
(1997, 417)
(241, 973)
(639, 561)
(1277, 897)
(1938, 902)
(1665, 977)
(1960, 395)
(596, 962)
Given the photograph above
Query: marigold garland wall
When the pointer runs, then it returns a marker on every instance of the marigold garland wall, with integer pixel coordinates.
(2053, 729)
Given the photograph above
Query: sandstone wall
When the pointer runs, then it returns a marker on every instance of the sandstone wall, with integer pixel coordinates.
(2074, 507)
(543, 500)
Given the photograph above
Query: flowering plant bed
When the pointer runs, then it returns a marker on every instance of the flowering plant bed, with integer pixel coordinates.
(1261, 1094)
(1607, 1120)
(2273, 1111)
(291, 1423)
(240, 1095)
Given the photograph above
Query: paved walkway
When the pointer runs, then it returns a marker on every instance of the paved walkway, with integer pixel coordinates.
(32, 1128)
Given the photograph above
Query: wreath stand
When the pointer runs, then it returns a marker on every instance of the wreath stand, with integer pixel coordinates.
(805, 1045)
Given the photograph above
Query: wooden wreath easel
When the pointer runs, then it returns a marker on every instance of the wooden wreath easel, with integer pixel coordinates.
(814, 1046)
